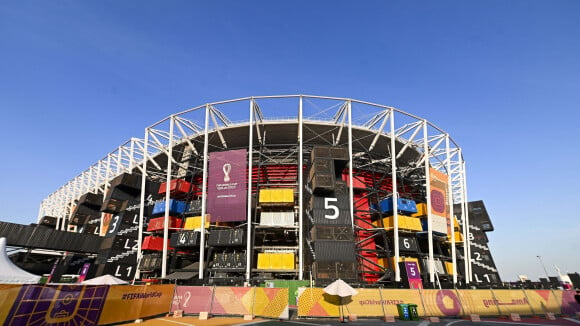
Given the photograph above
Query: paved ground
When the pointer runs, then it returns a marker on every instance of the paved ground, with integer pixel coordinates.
(227, 321)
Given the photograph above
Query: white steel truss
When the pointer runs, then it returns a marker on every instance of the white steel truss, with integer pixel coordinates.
(194, 127)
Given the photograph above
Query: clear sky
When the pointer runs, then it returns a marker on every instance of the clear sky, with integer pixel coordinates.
(79, 78)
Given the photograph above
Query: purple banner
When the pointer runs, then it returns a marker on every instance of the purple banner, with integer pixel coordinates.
(84, 272)
(227, 190)
(413, 275)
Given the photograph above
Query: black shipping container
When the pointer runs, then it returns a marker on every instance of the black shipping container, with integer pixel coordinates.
(334, 270)
(575, 278)
(322, 183)
(320, 152)
(334, 251)
(130, 183)
(194, 208)
(339, 153)
(122, 257)
(337, 200)
(113, 205)
(330, 210)
(151, 262)
(406, 243)
(123, 242)
(185, 239)
(335, 233)
(91, 229)
(322, 167)
(123, 271)
(92, 200)
(49, 221)
(123, 221)
(229, 261)
(227, 238)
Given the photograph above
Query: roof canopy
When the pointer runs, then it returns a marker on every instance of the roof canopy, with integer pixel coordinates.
(12, 274)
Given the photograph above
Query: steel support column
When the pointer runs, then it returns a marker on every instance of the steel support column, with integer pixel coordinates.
(167, 198)
(300, 191)
(395, 196)
(204, 194)
(249, 189)
(428, 199)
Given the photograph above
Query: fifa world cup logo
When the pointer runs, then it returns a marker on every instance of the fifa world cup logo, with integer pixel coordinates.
(227, 168)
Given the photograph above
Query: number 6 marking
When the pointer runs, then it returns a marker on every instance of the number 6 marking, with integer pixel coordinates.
(327, 205)
(406, 243)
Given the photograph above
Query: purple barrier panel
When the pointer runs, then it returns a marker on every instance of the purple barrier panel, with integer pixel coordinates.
(569, 304)
(58, 305)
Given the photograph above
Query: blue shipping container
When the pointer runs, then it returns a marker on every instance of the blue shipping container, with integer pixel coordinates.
(404, 205)
(175, 207)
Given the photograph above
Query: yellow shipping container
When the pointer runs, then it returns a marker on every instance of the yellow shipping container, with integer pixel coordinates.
(405, 223)
(275, 261)
(194, 222)
(414, 224)
(276, 196)
(383, 261)
(287, 261)
(449, 267)
(421, 210)
(458, 236)
(264, 261)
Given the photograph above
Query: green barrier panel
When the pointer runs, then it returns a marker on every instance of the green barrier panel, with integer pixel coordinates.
(291, 285)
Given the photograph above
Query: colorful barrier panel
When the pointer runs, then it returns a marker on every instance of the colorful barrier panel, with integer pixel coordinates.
(263, 302)
(313, 302)
(103, 304)
(133, 302)
(8, 294)
(53, 304)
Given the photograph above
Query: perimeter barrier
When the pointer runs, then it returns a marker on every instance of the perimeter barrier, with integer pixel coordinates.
(313, 302)
(254, 301)
(56, 304)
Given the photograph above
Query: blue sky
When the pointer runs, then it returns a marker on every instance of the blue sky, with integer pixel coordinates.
(79, 78)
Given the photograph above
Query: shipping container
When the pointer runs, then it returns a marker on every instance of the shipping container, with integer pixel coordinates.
(194, 222)
(276, 197)
(177, 187)
(404, 205)
(175, 207)
(339, 251)
(335, 233)
(285, 218)
(156, 224)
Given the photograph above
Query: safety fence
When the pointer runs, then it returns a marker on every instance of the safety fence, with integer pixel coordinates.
(255, 301)
(81, 304)
(103, 304)
(54, 304)
(313, 302)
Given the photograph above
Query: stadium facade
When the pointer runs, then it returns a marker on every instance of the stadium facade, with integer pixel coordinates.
(304, 188)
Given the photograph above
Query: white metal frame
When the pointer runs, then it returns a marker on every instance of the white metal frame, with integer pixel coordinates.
(439, 151)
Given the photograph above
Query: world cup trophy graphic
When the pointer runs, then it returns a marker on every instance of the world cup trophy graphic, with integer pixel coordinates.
(227, 168)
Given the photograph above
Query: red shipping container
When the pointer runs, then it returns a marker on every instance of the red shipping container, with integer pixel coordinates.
(357, 181)
(156, 224)
(154, 243)
(176, 187)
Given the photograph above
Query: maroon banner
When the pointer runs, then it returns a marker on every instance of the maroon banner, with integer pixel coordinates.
(227, 191)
